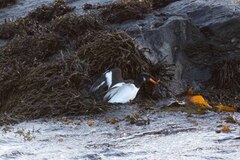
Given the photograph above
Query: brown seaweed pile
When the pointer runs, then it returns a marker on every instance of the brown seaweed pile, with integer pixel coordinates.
(52, 89)
(19, 27)
(45, 13)
(118, 49)
(46, 69)
(123, 10)
(71, 26)
(159, 3)
(106, 50)
(35, 21)
(226, 75)
(5, 3)
(164, 73)
(31, 49)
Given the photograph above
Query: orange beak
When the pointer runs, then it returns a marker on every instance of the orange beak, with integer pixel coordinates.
(152, 81)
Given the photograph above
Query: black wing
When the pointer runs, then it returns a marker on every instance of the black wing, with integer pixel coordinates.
(107, 79)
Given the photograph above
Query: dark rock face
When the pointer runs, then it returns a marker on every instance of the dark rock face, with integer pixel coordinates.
(194, 35)
(220, 17)
(205, 12)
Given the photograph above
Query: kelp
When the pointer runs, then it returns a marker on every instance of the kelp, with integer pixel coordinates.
(105, 50)
(35, 21)
(164, 73)
(120, 12)
(226, 75)
(21, 27)
(72, 26)
(46, 69)
(124, 10)
(31, 49)
(46, 13)
(50, 90)
(159, 3)
(5, 3)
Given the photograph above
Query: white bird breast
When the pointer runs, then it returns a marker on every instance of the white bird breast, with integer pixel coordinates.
(122, 93)
(108, 77)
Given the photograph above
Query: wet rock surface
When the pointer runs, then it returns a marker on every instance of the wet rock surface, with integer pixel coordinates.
(168, 135)
(23, 7)
(194, 35)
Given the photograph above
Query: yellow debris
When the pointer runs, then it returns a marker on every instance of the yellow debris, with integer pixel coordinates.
(90, 123)
(199, 100)
(225, 129)
(67, 122)
(223, 108)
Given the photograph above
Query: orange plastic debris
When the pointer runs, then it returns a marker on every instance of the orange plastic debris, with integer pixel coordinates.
(199, 100)
(225, 129)
(224, 108)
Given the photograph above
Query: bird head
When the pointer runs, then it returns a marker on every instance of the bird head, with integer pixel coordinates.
(148, 78)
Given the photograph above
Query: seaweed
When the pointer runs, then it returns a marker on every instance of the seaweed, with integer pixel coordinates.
(164, 73)
(5, 3)
(87, 6)
(21, 26)
(72, 26)
(226, 75)
(30, 49)
(35, 21)
(46, 13)
(50, 90)
(46, 69)
(122, 11)
(105, 50)
(159, 3)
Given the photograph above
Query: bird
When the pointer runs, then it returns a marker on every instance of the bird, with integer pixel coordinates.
(119, 90)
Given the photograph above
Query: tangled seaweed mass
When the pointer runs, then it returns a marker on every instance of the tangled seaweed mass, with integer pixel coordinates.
(5, 3)
(49, 63)
(123, 10)
(227, 75)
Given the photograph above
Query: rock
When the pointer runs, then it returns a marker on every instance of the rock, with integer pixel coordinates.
(166, 36)
(218, 20)
(190, 34)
